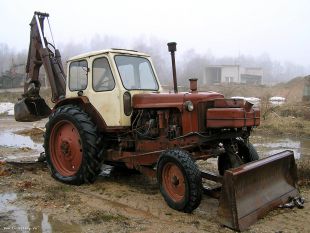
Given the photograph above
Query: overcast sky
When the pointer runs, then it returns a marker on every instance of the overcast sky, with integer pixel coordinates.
(225, 27)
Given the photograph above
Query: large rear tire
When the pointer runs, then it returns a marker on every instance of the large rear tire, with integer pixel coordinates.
(71, 148)
(246, 152)
(179, 180)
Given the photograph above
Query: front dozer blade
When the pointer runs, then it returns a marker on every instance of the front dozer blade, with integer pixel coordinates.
(250, 191)
(31, 109)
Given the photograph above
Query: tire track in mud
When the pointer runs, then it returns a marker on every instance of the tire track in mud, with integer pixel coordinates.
(113, 204)
(200, 221)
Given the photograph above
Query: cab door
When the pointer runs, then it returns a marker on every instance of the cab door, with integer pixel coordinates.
(103, 91)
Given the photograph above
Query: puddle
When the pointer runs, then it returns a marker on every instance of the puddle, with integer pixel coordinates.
(16, 219)
(268, 145)
(18, 147)
(9, 139)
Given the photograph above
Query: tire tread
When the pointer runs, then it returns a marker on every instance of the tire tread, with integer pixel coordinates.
(192, 175)
(92, 157)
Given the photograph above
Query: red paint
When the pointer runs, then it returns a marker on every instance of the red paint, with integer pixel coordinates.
(65, 148)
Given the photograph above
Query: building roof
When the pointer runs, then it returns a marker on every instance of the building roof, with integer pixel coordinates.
(245, 67)
(219, 66)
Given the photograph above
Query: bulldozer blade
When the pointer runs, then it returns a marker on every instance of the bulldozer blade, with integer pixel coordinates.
(31, 109)
(250, 191)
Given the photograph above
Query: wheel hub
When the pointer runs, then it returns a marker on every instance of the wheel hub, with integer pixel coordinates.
(173, 181)
(66, 148)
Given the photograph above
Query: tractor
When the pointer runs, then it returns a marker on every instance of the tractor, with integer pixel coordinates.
(109, 107)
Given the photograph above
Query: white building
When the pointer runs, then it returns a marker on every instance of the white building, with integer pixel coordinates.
(233, 74)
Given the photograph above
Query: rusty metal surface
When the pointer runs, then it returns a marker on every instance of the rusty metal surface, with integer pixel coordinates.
(38, 54)
(250, 191)
(165, 100)
(211, 176)
(31, 109)
(228, 113)
(228, 103)
(193, 85)
(172, 47)
(232, 118)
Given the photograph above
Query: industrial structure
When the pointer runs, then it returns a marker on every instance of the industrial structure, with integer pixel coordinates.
(215, 74)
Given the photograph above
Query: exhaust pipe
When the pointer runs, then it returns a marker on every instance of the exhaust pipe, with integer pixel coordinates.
(193, 85)
(172, 47)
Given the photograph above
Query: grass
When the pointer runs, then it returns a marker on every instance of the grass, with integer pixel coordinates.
(14, 96)
(303, 167)
(57, 192)
(9, 97)
(99, 216)
(278, 125)
(286, 119)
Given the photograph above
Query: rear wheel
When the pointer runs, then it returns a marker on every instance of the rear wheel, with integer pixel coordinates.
(179, 180)
(72, 153)
(246, 152)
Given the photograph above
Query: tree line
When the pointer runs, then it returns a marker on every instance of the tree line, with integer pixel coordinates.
(190, 63)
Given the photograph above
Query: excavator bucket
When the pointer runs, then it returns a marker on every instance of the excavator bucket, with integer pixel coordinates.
(253, 189)
(31, 109)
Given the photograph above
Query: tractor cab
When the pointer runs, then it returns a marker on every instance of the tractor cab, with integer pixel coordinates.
(109, 79)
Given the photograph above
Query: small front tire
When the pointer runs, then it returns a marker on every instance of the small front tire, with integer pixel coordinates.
(179, 180)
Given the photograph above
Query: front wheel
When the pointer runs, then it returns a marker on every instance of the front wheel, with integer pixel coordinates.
(179, 180)
(70, 145)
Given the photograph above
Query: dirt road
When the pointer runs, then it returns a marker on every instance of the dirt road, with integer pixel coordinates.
(119, 201)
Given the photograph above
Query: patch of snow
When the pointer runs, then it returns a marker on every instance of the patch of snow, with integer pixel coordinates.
(255, 101)
(277, 100)
(7, 107)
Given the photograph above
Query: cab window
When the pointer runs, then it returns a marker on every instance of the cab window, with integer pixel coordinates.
(78, 75)
(136, 73)
(102, 75)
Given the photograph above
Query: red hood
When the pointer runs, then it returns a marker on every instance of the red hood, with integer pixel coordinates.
(165, 100)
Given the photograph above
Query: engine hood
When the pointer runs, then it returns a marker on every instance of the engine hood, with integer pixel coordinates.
(168, 100)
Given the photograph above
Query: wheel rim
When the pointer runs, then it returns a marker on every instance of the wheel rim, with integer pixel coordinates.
(173, 181)
(66, 149)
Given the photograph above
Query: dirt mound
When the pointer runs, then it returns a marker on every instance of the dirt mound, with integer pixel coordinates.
(292, 90)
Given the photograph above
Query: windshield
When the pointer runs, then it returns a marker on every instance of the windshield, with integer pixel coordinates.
(136, 73)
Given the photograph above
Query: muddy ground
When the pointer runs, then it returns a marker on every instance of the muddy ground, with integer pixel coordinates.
(32, 201)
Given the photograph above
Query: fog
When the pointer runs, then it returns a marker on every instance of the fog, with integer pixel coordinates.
(270, 34)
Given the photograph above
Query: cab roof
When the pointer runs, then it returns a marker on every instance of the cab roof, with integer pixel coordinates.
(107, 51)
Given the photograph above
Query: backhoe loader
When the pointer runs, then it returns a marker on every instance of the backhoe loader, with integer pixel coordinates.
(109, 108)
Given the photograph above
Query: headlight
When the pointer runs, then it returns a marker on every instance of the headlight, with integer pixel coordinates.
(189, 106)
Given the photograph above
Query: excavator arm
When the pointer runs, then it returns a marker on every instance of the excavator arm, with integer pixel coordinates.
(31, 107)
